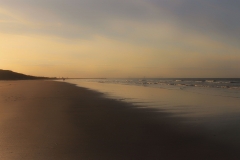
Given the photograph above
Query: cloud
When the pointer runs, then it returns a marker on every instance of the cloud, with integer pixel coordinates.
(87, 18)
(214, 17)
(72, 18)
(122, 35)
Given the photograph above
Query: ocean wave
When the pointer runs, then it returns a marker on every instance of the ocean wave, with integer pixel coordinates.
(209, 81)
(206, 83)
(234, 82)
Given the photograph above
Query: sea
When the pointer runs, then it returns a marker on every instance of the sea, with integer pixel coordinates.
(229, 83)
(212, 103)
(163, 94)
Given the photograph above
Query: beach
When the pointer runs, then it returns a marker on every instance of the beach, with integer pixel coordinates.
(56, 120)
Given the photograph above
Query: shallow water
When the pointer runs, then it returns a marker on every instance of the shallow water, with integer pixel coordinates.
(215, 109)
(188, 102)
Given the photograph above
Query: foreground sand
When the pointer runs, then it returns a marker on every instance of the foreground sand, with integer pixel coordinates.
(41, 120)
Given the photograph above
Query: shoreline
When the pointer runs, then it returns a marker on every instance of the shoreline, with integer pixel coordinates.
(55, 120)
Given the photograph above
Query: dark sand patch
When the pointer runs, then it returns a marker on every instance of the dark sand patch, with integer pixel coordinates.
(53, 120)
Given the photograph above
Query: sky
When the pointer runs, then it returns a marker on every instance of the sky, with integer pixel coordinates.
(121, 38)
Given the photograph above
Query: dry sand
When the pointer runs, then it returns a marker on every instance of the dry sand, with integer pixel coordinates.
(47, 120)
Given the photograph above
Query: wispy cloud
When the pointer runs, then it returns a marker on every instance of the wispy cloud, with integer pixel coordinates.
(122, 35)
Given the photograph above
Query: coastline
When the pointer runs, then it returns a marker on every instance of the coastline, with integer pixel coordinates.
(54, 120)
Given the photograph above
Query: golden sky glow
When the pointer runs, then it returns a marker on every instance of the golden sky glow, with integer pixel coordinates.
(107, 38)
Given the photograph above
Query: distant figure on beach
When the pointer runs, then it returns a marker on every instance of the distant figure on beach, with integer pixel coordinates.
(63, 79)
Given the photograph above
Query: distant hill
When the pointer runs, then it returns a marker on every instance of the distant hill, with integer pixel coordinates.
(10, 75)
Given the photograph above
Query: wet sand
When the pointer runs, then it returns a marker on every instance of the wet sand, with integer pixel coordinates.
(53, 120)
